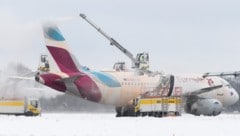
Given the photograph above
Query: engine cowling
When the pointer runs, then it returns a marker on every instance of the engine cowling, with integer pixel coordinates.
(204, 106)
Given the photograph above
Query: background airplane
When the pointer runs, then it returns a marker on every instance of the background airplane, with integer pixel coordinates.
(202, 95)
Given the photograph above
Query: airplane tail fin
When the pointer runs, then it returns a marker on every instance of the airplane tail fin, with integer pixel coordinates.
(64, 61)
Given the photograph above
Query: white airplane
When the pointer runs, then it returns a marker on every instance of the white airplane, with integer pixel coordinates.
(202, 95)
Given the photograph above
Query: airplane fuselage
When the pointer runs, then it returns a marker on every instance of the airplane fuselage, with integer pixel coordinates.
(119, 88)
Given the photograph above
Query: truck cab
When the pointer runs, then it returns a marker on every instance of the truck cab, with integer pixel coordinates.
(33, 107)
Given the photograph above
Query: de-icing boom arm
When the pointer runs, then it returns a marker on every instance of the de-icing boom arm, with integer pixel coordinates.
(113, 42)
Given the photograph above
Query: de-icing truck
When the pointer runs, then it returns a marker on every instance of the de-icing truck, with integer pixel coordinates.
(25, 106)
(158, 106)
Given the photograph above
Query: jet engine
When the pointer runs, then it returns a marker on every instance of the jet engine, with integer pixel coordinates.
(203, 106)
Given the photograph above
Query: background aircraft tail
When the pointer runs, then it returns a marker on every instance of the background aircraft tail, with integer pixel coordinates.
(60, 55)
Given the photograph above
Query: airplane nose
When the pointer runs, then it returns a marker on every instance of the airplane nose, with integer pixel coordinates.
(235, 96)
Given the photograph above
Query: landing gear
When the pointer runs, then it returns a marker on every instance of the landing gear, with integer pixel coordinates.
(125, 111)
(129, 112)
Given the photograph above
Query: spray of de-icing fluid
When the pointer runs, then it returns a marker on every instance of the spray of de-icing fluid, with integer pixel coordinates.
(19, 45)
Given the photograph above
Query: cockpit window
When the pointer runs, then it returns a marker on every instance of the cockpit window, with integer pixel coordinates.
(229, 86)
(34, 103)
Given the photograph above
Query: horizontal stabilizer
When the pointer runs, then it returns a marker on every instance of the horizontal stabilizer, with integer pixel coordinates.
(70, 79)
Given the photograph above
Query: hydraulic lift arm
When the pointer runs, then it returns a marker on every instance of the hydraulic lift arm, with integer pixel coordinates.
(140, 62)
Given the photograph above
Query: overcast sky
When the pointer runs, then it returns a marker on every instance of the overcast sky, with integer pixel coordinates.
(181, 36)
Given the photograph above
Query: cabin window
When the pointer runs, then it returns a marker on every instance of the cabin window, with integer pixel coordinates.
(34, 103)
(229, 86)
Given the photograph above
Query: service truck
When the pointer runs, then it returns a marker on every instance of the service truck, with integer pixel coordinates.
(25, 106)
(158, 106)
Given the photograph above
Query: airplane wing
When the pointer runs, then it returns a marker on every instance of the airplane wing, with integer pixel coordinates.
(236, 73)
(203, 90)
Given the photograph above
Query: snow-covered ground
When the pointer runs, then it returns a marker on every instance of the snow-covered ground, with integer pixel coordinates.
(87, 124)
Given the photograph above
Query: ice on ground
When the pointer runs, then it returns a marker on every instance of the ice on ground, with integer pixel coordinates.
(87, 124)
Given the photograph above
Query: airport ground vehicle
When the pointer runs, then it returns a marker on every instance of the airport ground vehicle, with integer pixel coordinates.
(26, 106)
(158, 106)
(154, 106)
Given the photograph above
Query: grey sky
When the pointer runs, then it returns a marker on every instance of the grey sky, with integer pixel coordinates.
(181, 36)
